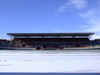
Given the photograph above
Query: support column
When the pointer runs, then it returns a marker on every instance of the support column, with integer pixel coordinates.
(11, 40)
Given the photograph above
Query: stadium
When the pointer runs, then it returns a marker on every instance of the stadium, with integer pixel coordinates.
(50, 41)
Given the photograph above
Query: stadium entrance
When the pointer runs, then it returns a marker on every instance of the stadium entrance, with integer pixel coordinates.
(50, 41)
(50, 46)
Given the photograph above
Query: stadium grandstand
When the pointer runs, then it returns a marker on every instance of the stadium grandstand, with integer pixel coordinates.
(50, 41)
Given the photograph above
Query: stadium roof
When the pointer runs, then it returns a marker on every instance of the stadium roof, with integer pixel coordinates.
(50, 34)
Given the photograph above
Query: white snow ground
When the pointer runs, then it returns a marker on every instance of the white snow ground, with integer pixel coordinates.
(46, 61)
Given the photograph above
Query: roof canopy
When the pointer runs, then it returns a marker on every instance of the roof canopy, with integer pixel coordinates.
(50, 34)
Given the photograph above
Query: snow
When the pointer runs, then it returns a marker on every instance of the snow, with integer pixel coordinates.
(46, 61)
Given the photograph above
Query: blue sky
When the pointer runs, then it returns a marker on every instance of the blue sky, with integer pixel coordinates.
(48, 16)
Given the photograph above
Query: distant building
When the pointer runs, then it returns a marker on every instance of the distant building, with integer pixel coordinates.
(4, 43)
(95, 42)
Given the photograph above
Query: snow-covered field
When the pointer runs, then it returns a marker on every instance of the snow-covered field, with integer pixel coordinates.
(46, 61)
